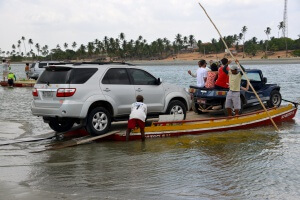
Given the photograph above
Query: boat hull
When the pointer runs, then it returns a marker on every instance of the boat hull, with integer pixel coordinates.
(197, 127)
(19, 83)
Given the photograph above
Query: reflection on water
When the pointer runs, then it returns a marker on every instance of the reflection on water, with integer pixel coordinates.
(249, 164)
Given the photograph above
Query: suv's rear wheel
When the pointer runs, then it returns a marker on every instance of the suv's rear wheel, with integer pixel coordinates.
(61, 125)
(176, 107)
(275, 99)
(98, 121)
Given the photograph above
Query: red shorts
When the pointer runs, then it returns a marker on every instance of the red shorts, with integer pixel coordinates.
(133, 122)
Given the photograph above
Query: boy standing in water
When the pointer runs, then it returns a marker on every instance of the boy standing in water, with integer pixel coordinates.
(137, 117)
(5, 69)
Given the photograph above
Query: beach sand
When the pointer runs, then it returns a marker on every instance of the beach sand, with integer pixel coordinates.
(278, 57)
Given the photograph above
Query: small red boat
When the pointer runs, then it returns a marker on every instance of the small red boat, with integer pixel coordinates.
(19, 83)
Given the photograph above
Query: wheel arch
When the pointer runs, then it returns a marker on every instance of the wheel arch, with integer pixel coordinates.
(181, 99)
(104, 104)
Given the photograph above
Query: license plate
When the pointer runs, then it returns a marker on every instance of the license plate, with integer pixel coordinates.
(201, 101)
(47, 94)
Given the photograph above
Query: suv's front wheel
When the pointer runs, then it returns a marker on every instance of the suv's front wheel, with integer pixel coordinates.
(176, 107)
(98, 121)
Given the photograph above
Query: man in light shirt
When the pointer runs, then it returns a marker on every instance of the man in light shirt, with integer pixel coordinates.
(137, 117)
(233, 100)
(201, 74)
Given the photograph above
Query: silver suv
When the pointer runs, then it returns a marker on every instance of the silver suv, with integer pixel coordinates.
(38, 67)
(96, 94)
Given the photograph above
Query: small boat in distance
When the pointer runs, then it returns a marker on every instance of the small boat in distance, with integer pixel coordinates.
(161, 129)
(19, 83)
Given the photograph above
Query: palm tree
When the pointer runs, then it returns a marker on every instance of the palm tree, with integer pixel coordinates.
(66, 45)
(281, 26)
(74, 44)
(19, 45)
(268, 32)
(244, 30)
(191, 40)
(30, 42)
(122, 36)
(23, 38)
(37, 46)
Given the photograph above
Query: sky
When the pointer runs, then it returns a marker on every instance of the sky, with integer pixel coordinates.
(65, 21)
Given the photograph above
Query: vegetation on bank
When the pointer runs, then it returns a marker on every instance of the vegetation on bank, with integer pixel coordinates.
(121, 49)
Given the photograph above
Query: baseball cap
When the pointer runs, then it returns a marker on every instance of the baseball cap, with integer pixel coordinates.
(233, 67)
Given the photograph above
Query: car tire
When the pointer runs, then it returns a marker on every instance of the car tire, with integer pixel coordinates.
(61, 125)
(176, 107)
(275, 99)
(98, 121)
(240, 111)
(195, 107)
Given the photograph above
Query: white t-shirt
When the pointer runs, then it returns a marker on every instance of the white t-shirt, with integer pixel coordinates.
(201, 74)
(138, 111)
(5, 67)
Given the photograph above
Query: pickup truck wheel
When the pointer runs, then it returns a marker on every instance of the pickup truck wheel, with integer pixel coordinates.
(195, 107)
(240, 112)
(61, 125)
(275, 99)
(176, 107)
(98, 121)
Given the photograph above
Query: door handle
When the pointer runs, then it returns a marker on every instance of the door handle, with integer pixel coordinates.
(139, 90)
(106, 90)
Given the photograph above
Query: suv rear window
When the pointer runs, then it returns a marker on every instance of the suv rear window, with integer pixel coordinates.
(65, 75)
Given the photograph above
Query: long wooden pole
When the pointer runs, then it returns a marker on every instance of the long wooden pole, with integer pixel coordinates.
(240, 68)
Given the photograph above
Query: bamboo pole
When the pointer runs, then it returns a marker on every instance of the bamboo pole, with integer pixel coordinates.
(240, 68)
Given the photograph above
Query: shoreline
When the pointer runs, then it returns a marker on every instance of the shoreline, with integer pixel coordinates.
(194, 62)
(293, 60)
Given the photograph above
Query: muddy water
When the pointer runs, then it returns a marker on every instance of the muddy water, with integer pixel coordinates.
(250, 164)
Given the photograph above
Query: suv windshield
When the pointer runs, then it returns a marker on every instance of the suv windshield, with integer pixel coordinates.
(63, 75)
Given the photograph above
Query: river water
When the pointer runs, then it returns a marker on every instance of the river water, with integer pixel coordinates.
(258, 163)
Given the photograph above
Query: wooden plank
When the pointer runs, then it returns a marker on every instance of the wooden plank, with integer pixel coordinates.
(163, 118)
(78, 141)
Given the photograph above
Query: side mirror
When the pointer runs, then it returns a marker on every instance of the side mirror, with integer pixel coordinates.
(159, 81)
(265, 80)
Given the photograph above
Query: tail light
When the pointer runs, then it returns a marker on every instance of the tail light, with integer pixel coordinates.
(35, 92)
(65, 92)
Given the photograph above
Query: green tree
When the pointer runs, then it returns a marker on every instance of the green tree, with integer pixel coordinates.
(244, 30)
(23, 39)
(268, 32)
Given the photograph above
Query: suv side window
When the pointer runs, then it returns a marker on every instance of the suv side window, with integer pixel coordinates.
(81, 75)
(116, 76)
(140, 77)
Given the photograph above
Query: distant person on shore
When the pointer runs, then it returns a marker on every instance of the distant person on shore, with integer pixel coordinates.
(5, 66)
(137, 117)
(233, 100)
(201, 73)
(222, 81)
(212, 76)
(10, 79)
(27, 69)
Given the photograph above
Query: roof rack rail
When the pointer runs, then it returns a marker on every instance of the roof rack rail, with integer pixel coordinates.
(92, 63)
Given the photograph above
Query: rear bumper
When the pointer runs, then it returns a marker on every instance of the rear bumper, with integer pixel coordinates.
(69, 109)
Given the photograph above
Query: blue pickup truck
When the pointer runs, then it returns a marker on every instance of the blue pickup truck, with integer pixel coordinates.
(213, 100)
